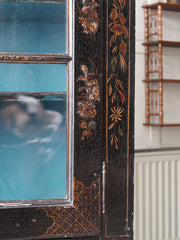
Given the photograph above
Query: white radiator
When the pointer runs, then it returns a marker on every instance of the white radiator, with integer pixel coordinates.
(157, 196)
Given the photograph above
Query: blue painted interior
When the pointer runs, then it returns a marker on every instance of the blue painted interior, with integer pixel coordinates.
(33, 155)
(32, 144)
(32, 77)
(32, 27)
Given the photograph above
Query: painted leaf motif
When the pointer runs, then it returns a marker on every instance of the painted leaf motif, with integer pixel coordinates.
(113, 14)
(113, 63)
(110, 89)
(114, 49)
(122, 19)
(81, 78)
(109, 79)
(111, 126)
(123, 47)
(119, 33)
(123, 63)
(122, 97)
(120, 131)
(115, 142)
(112, 138)
(119, 83)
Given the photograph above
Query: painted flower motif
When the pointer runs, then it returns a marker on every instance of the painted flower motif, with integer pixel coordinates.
(116, 114)
(89, 17)
(92, 125)
(96, 91)
(118, 29)
(91, 97)
(85, 10)
(93, 27)
(89, 83)
(84, 69)
(86, 109)
(91, 94)
(95, 82)
(83, 124)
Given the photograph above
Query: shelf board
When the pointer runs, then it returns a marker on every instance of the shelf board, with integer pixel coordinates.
(165, 6)
(163, 125)
(164, 43)
(162, 80)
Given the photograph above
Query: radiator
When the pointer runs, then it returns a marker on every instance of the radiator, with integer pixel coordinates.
(157, 196)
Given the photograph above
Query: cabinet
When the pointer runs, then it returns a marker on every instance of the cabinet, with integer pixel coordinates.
(154, 45)
(67, 85)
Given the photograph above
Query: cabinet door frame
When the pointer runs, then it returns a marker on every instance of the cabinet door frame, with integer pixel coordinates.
(97, 158)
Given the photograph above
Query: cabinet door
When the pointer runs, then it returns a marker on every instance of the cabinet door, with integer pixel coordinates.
(87, 193)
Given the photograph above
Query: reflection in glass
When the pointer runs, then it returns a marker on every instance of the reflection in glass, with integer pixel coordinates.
(33, 148)
(32, 77)
(33, 27)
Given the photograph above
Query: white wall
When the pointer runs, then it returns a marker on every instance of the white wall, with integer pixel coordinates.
(156, 137)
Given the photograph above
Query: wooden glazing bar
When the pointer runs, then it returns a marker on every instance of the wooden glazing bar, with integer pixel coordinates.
(34, 58)
(39, 1)
(9, 96)
(160, 64)
(146, 65)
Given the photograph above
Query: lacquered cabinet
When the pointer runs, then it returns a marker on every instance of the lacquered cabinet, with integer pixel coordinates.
(66, 119)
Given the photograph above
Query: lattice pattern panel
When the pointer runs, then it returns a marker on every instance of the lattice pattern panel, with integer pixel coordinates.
(82, 218)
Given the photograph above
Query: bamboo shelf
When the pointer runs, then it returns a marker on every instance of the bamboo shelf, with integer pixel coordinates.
(164, 43)
(165, 6)
(154, 62)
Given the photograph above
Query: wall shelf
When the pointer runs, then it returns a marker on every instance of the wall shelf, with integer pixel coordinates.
(154, 62)
(164, 43)
(165, 6)
(163, 125)
(162, 80)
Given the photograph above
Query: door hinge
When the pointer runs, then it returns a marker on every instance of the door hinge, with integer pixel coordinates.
(103, 187)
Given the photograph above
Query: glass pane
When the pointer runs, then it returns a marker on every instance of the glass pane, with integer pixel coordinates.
(33, 27)
(33, 148)
(32, 77)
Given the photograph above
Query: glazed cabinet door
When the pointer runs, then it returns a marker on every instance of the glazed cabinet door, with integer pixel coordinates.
(66, 119)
